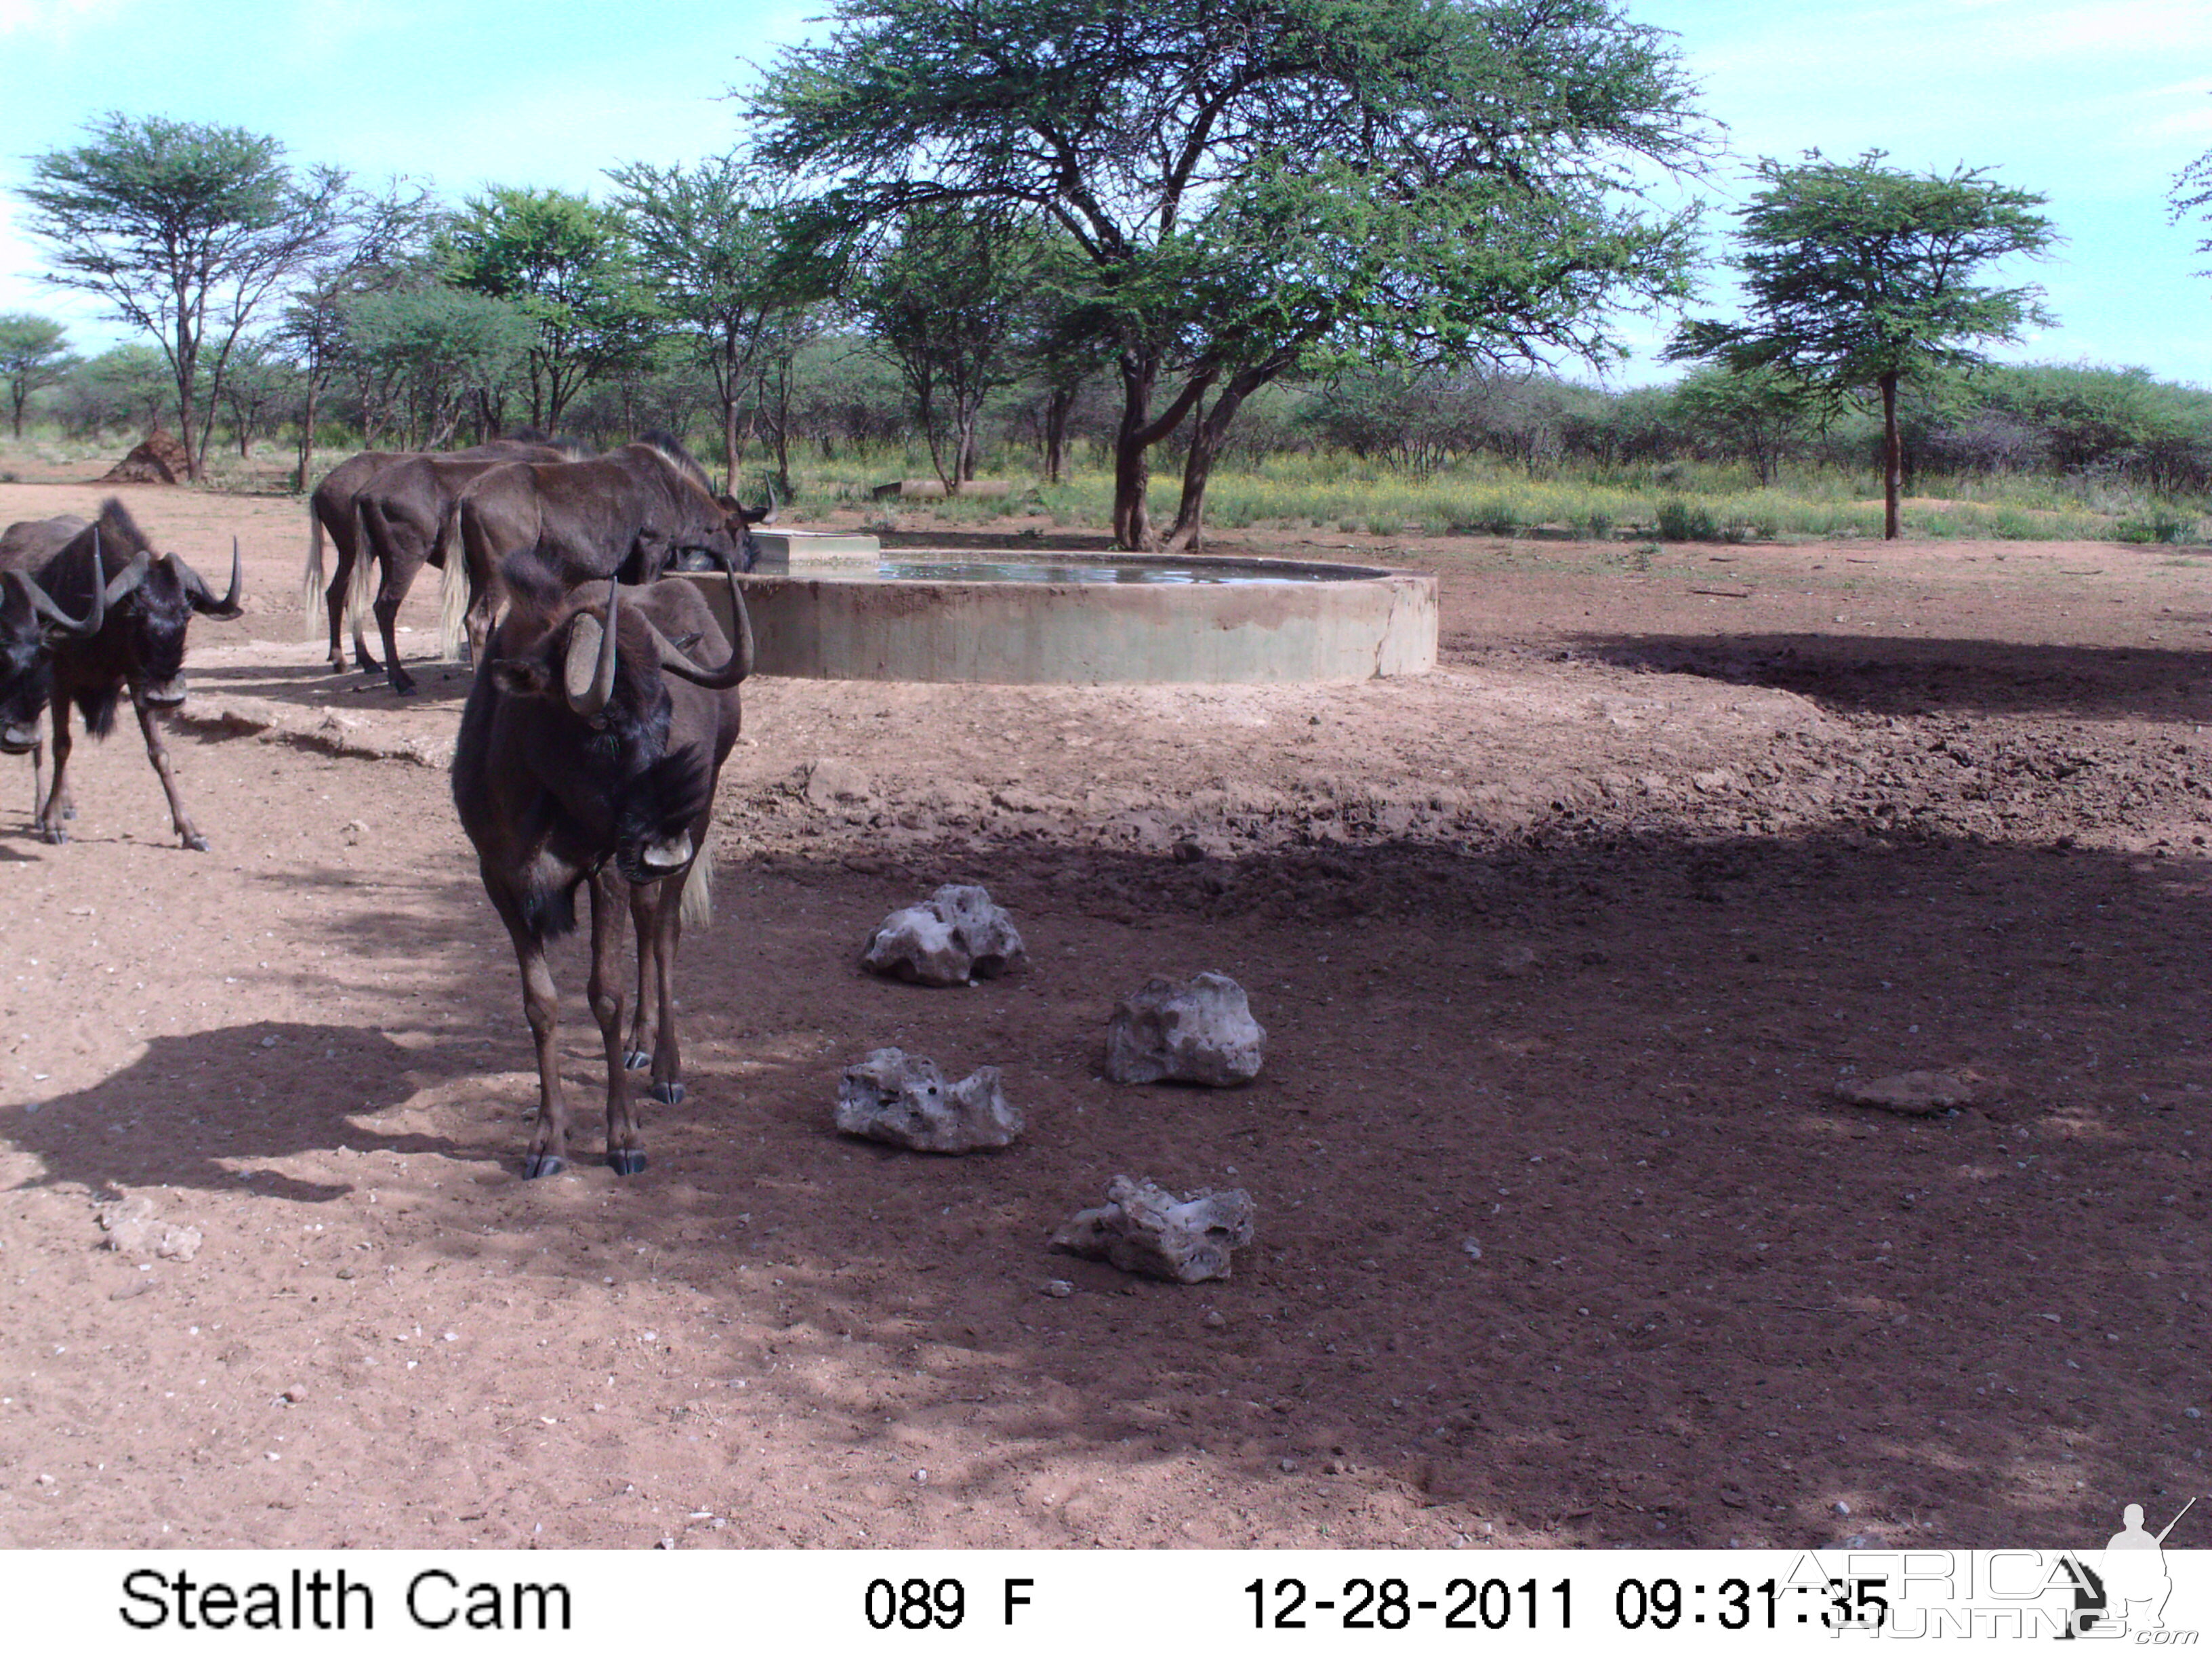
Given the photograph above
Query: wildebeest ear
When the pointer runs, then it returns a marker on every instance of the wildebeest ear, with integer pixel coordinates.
(522, 677)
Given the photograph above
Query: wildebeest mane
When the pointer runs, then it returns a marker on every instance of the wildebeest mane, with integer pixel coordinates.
(670, 448)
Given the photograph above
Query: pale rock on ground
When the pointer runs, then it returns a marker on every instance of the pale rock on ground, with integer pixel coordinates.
(132, 1228)
(1144, 1229)
(1916, 1094)
(903, 1099)
(1202, 1031)
(957, 935)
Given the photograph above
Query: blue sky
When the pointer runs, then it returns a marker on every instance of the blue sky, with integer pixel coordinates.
(2094, 103)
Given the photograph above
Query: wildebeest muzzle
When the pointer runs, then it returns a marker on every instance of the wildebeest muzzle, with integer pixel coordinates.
(18, 739)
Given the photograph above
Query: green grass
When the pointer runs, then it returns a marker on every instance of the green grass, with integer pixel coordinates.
(1676, 502)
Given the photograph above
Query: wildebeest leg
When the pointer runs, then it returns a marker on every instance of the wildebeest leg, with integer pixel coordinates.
(624, 1156)
(150, 722)
(56, 807)
(665, 916)
(401, 565)
(541, 1006)
(644, 1012)
(341, 584)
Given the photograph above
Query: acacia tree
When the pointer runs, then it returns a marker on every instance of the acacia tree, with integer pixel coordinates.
(568, 265)
(948, 297)
(713, 244)
(2192, 193)
(378, 239)
(33, 353)
(1858, 276)
(184, 229)
(1258, 186)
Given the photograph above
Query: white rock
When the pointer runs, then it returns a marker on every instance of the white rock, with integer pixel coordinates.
(1916, 1094)
(132, 1228)
(956, 936)
(1199, 1032)
(1144, 1229)
(903, 1099)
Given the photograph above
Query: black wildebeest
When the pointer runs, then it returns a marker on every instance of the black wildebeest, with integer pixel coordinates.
(627, 515)
(397, 515)
(588, 752)
(331, 512)
(139, 647)
(30, 625)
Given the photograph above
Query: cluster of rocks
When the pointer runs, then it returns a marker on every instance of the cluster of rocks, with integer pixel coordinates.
(1200, 1032)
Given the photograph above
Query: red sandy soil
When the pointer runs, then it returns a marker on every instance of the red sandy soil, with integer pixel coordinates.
(1562, 951)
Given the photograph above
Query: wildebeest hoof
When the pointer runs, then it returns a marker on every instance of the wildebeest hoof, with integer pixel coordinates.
(52, 833)
(195, 843)
(668, 1094)
(637, 1059)
(626, 1163)
(543, 1164)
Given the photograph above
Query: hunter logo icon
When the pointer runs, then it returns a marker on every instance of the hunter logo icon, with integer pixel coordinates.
(2135, 1582)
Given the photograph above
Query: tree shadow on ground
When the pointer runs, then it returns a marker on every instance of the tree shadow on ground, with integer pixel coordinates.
(1705, 1300)
(436, 683)
(1891, 676)
(210, 1109)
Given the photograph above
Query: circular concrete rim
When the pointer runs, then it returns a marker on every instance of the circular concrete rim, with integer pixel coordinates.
(809, 624)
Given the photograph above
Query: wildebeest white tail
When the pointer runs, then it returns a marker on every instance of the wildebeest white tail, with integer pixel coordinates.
(361, 592)
(452, 584)
(697, 908)
(311, 590)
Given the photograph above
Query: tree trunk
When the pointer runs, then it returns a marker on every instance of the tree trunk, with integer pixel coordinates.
(1892, 460)
(1132, 472)
(1188, 534)
(1058, 408)
(730, 441)
(306, 441)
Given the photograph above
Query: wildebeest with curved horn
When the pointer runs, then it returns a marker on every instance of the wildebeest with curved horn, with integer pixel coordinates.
(138, 646)
(30, 625)
(627, 515)
(588, 751)
(331, 512)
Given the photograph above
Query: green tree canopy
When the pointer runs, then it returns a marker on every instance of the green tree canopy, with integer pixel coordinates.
(570, 266)
(33, 353)
(184, 229)
(948, 297)
(420, 353)
(1858, 275)
(714, 244)
(1257, 186)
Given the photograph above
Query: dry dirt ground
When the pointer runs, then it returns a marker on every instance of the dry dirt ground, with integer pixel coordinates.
(1562, 951)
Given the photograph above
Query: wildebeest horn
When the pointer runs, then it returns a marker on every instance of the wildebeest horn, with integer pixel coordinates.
(42, 603)
(588, 674)
(126, 581)
(203, 595)
(677, 662)
(774, 508)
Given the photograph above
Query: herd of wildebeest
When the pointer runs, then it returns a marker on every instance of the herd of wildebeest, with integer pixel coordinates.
(604, 701)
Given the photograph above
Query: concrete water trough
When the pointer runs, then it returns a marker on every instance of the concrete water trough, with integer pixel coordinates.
(855, 613)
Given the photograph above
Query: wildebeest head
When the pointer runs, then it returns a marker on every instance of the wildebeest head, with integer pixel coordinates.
(719, 536)
(630, 767)
(152, 598)
(31, 624)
